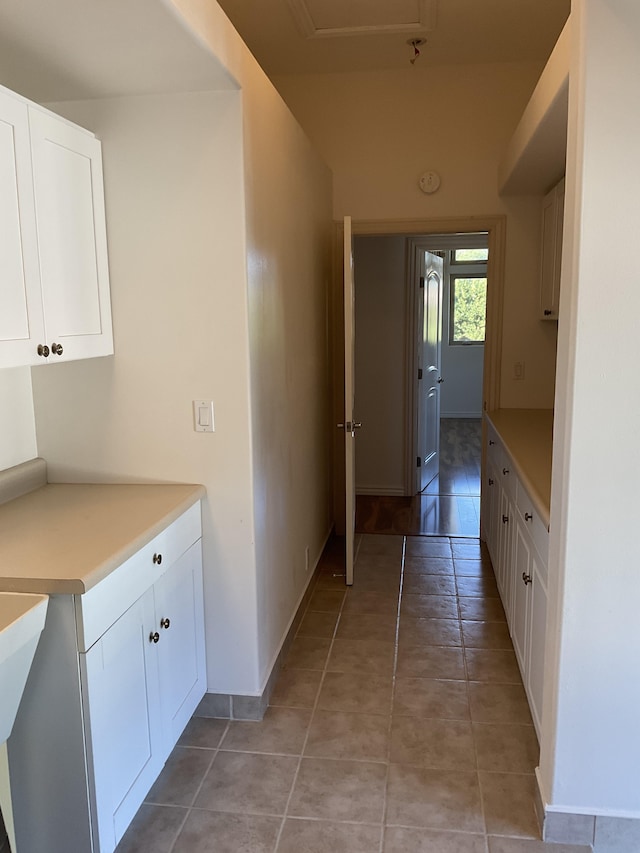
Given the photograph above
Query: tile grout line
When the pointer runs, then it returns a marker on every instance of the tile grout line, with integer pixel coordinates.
(285, 814)
(383, 831)
(199, 788)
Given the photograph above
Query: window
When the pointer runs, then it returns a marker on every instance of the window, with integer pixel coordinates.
(468, 308)
(470, 256)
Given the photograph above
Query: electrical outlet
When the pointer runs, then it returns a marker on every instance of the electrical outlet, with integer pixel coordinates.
(518, 370)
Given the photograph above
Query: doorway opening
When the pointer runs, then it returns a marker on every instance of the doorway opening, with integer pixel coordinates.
(420, 340)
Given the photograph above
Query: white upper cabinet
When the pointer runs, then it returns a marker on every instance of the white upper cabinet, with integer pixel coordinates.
(551, 256)
(54, 255)
(21, 321)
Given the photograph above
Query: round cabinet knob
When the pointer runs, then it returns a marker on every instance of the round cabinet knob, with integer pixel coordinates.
(505, 519)
(157, 559)
(43, 350)
(57, 349)
(547, 312)
(154, 637)
(505, 471)
(165, 623)
(491, 442)
(526, 578)
(490, 481)
(528, 516)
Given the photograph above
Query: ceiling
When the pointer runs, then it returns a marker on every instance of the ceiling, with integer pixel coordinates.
(304, 36)
(73, 49)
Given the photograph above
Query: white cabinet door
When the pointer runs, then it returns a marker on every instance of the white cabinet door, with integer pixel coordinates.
(122, 708)
(537, 633)
(505, 521)
(551, 253)
(21, 323)
(69, 201)
(180, 623)
(521, 572)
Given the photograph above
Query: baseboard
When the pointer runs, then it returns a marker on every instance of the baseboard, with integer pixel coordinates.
(239, 707)
(395, 491)
(460, 415)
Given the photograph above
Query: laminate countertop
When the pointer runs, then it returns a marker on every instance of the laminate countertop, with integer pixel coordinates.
(527, 435)
(65, 538)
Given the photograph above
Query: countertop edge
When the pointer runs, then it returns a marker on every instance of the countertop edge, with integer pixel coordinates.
(134, 545)
(541, 506)
(79, 586)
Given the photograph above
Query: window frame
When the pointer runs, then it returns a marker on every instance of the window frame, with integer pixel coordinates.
(465, 270)
(455, 262)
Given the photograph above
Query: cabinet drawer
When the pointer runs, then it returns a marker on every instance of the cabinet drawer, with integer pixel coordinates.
(536, 527)
(494, 446)
(99, 608)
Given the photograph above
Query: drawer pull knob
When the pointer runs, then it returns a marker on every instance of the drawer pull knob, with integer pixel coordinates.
(491, 442)
(57, 349)
(165, 623)
(157, 559)
(154, 637)
(528, 516)
(505, 519)
(526, 578)
(43, 350)
(490, 481)
(505, 471)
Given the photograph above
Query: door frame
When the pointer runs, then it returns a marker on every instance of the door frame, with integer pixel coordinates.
(496, 228)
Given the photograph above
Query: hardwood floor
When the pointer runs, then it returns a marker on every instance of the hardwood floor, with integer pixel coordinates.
(449, 506)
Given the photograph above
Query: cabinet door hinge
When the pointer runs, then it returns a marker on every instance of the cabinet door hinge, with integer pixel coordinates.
(418, 462)
(421, 281)
(419, 373)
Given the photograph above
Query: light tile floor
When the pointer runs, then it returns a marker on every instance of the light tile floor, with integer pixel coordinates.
(399, 724)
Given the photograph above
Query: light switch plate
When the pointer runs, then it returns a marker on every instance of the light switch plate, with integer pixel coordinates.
(203, 415)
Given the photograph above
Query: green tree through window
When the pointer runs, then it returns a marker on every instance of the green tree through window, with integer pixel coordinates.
(468, 309)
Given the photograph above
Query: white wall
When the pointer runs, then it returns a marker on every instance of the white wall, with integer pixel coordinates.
(17, 425)
(591, 748)
(218, 215)
(380, 364)
(288, 204)
(174, 204)
(379, 131)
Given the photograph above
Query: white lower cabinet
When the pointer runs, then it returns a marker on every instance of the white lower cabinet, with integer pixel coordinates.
(518, 543)
(108, 697)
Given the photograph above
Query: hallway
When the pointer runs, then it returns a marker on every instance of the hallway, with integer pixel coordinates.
(398, 725)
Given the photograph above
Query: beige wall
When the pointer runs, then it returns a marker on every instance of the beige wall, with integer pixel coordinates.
(218, 216)
(17, 425)
(379, 131)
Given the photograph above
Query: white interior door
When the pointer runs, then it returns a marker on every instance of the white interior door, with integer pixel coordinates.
(429, 377)
(349, 397)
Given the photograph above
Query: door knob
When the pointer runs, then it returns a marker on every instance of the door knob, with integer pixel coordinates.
(357, 425)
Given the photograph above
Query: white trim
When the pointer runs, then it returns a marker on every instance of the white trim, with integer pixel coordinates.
(425, 22)
(460, 415)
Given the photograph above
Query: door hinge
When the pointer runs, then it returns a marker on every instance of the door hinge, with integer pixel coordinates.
(418, 462)
(421, 281)
(419, 373)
